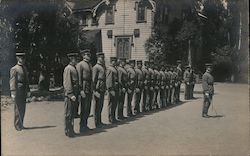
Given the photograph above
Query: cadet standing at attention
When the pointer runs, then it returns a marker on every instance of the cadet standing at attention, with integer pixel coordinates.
(146, 86)
(163, 87)
(71, 92)
(157, 78)
(208, 89)
(171, 86)
(151, 85)
(113, 89)
(84, 69)
(99, 88)
(167, 84)
(139, 86)
(175, 85)
(186, 78)
(179, 79)
(123, 86)
(19, 87)
(131, 86)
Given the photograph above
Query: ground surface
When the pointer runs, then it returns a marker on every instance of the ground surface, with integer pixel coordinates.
(175, 131)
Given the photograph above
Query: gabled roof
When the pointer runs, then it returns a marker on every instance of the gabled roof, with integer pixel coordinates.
(82, 4)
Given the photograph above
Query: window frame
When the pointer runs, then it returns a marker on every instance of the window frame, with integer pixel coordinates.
(141, 5)
(112, 6)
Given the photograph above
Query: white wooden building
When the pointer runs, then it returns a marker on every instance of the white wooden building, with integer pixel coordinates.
(122, 26)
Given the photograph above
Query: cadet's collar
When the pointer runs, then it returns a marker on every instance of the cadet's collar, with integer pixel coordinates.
(86, 60)
(19, 64)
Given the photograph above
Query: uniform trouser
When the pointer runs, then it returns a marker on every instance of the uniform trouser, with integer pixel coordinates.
(187, 92)
(170, 90)
(178, 90)
(163, 102)
(167, 96)
(145, 99)
(19, 109)
(206, 103)
(76, 108)
(112, 105)
(136, 108)
(192, 91)
(173, 100)
(68, 115)
(151, 98)
(129, 106)
(121, 104)
(85, 110)
(98, 108)
(155, 102)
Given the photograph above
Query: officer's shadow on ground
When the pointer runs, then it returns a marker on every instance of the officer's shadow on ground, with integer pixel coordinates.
(38, 127)
(216, 116)
(96, 130)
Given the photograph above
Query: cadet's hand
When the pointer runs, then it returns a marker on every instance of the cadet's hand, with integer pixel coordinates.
(112, 93)
(83, 95)
(13, 96)
(97, 94)
(137, 90)
(73, 98)
(151, 88)
(129, 91)
(123, 90)
(146, 87)
(187, 83)
(207, 94)
(28, 94)
(162, 87)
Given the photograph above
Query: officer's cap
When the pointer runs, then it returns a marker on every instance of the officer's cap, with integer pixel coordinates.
(85, 51)
(178, 61)
(72, 54)
(131, 61)
(139, 61)
(208, 65)
(113, 58)
(188, 66)
(146, 62)
(122, 59)
(99, 54)
(19, 54)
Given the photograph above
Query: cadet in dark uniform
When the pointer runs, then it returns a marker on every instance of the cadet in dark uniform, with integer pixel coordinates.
(139, 86)
(19, 87)
(163, 87)
(71, 92)
(131, 86)
(167, 84)
(208, 89)
(157, 78)
(146, 75)
(179, 80)
(113, 89)
(84, 69)
(192, 83)
(99, 87)
(186, 78)
(151, 85)
(123, 85)
(175, 85)
(171, 84)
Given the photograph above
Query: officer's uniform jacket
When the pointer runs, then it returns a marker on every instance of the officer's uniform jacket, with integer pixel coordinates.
(157, 78)
(84, 70)
(140, 78)
(147, 78)
(70, 81)
(187, 76)
(19, 79)
(99, 78)
(132, 78)
(163, 80)
(171, 81)
(179, 75)
(167, 79)
(123, 77)
(174, 79)
(151, 77)
(112, 80)
(208, 83)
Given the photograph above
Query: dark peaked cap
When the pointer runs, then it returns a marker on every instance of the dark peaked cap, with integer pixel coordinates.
(72, 54)
(84, 51)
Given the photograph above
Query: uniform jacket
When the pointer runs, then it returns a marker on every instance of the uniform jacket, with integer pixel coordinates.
(112, 80)
(99, 78)
(132, 78)
(174, 79)
(168, 78)
(163, 79)
(187, 76)
(151, 76)
(123, 77)
(208, 83)
(70, 81)
(157, 78)
(146, 75)
(171, 81)
(140, 78)
(19, 79)
(84, 70)
(179, 73)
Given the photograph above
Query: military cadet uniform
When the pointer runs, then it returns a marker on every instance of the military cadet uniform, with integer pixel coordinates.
(163, 87)
(167, 84)
(84, 69)
(71, 89)
(179, 79)
(113, 90)
(99, 88)
(175, 85)
(151, 86)
(131, 86)
(187, 79)
(192, 83)
(146, 86)
(208, 90)
(157, 80)
(123, 85)
(139, 87)
(171, 87)
(19, 86)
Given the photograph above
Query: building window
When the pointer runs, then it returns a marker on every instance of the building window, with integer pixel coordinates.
(94, 21)
(110, 14)
(84, 21)
(141, 12)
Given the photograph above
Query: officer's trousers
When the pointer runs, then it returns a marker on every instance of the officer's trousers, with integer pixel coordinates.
(177, 91)
(191, 91)
(98, 109)
(68, 116)
(206, 103)
(137, 99)
(112, 105)
(163, 102)
(173, 100)
(151, 99)
(19, 109)
(121, 104)
(129, 106)
(187, 92)
(155, 102)
(145, 102)
(85, 110)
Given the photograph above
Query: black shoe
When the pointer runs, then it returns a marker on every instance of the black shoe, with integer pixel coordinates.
(77, 116)
(84, 129)
(18, 128)
(205, 116)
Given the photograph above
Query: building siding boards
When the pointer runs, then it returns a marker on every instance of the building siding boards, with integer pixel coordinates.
(124, 25)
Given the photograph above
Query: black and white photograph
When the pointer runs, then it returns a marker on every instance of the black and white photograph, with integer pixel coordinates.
(124, 77)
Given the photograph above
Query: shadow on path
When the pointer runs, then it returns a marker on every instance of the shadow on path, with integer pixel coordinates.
(38, 127)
